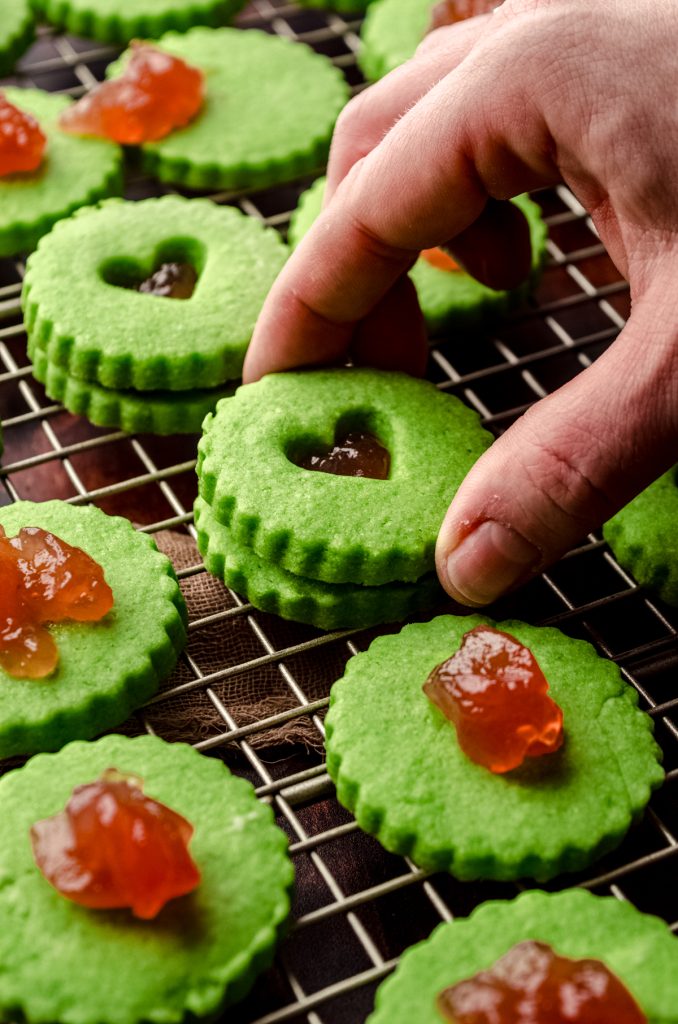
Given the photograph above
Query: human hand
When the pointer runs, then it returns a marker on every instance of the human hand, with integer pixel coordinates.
(540, 91)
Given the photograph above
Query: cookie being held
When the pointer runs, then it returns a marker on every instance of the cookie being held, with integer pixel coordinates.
(322, 487)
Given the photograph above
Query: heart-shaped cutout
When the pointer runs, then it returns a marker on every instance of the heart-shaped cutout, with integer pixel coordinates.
(356, 451)
(173, 272)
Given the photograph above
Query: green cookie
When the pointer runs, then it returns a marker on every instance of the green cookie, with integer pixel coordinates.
(325, 605)
(81, 318)
(137, 412)
(113, 22)
(268, 117)
(637, 947)
(106, 669)
(67, 964)
(644, 537)
(75, 172)
(449, 301)
(17, 30)
(556, 813)
(343, 6)
(336, 528)
(391, 33)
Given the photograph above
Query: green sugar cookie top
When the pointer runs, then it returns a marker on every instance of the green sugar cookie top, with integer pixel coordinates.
(115, 22)
(75, 172)
(268, 116)
(391, 32)
(325, 605)
(448, 299)
(644, 536)
(336, 528)
(64, 963)
(637, 947)
(79, 313)
(17, 28)
(398, 766)
(108, 668)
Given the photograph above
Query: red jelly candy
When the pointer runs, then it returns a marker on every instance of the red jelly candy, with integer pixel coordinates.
(26, 649)
(60, 581)
(441, 260)
(43, 580)
(496, 695)
(533, 985)
(22, 143)
(449, 12)
(155, 94)
(113, 847)
(355, 454)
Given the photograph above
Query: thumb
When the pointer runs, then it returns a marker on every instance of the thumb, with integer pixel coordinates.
(570, 462)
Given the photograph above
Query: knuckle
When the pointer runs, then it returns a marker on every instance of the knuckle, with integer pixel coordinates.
(564, 473)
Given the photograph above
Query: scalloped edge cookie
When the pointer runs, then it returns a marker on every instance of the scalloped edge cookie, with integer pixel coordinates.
(135, 412)
(325, 605)
(639, 948)
(438, 807)
(20, 231)
(187, 962)
(122, 24)
(384, 46)
(644, 537)
(15, 40)
(124, 340)
(448, 301)
(332, 528)
(77, 701)
(269, 86)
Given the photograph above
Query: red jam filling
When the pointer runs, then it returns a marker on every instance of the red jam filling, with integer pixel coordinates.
(44, 580)
(533, 985)
(441, 260)
(356, 454)
(156, 94)
(113, 847)
(449, 12)
(22, 143)
(494, 692)
(171, 280)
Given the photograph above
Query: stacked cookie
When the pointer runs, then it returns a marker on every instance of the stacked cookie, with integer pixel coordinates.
(331, 550)
(139, 359)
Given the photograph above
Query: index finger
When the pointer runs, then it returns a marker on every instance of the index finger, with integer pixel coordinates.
(427, 181)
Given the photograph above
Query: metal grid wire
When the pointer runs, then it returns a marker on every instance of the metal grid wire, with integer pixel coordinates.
(356, 907)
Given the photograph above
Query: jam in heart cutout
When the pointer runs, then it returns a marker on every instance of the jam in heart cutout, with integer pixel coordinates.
(356, 452)
(177, 265)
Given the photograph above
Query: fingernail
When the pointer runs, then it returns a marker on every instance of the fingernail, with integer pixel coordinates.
(487, 562)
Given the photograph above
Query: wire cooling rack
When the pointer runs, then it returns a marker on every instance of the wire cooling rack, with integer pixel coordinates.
(356, 907)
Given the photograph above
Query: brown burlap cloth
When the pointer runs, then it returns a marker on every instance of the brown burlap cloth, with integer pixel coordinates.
(251, 695)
